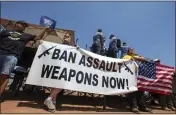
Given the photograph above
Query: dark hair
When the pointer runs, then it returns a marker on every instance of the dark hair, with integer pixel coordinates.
(112, 35)
(23, 23)
(129, 49)
(158, 61)
(124, 43)
(99, 30)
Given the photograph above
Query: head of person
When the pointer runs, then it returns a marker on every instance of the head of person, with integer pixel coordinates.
(99, 32)
(124, 44)
(66, 40)
(131, 51)
(111, 36)
(21, 25)
(157, 61)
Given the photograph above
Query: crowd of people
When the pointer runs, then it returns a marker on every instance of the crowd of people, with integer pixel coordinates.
(12, 44)
(137, 100)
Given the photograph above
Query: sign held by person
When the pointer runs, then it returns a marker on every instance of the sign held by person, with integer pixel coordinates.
(62, 66)
(46, 21)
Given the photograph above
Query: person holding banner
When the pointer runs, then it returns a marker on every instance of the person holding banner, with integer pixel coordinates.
(165, 100)
(174, 89)
(50, 102)
(155, 96)
(136, 99)
(12, 43)
(98, 45)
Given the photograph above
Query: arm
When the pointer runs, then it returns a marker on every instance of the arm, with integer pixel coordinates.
(94, 38)
(102, 41)
(41, 35)
(139, 58)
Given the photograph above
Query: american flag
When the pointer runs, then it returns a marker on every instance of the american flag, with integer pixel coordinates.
(155, 77)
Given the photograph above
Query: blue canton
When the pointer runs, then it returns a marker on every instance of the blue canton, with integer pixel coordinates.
(147, 69)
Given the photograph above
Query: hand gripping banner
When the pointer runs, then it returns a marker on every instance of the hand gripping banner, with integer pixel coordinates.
(66, 67)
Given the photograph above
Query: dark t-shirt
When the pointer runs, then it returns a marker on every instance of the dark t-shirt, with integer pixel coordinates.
(13, 42)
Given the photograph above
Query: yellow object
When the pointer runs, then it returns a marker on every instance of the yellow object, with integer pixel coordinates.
(130, 57)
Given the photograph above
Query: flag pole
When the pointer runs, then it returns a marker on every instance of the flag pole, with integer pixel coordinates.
(77, 41)
(86, 46)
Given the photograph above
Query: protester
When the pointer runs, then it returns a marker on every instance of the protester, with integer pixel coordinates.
(136, 99)
(165, 100)
(50, 102)
(155, 96)
(22, 67)
(12, 43)
(113, 50)
(174, 89)
(124, 49)
(98, 45)
(131, 55)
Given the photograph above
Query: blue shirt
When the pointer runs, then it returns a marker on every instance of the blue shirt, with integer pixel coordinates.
(113, 45)
(124, 50)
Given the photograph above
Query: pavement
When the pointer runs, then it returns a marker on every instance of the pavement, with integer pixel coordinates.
(71, 102)
(33, 103)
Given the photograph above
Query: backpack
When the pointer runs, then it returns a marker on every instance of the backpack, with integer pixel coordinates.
(118, 43)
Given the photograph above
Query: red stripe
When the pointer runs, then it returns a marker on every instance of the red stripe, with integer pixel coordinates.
(157, 81)
(165, 74)
(154, 86)
(164, 77)
(155, 91)
(168, 73)
(157, 69)
(164, 66)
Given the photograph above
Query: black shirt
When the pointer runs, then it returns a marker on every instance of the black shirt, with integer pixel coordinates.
(13, 42)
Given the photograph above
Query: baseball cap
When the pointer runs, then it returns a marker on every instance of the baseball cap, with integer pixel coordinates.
(156, 60)
(22, 22)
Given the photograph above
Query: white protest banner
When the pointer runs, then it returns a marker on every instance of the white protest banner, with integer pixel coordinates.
(62, 66)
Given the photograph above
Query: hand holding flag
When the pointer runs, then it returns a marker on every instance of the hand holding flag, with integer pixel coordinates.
(46, 21)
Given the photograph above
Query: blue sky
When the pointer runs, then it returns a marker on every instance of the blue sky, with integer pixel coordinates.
(148, 27)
